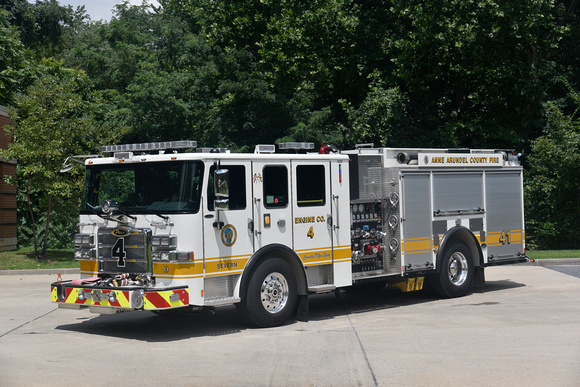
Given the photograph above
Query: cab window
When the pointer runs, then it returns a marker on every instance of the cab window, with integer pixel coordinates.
(310, 185)
(275, 186)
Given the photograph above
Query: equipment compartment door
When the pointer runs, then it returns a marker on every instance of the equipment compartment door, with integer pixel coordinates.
(504, 215)
(228, 244)
(417, 247)
(272, 198)
(312, 212)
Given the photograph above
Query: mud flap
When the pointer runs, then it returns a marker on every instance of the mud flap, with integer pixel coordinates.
(478, 278)
(301, 311)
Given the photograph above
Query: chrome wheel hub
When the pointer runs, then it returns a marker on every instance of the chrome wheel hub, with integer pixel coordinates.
(458, 268)
(274, 292)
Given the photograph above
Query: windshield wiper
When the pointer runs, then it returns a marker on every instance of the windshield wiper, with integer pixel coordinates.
(165, 218)
(125, 214)
(90, 208)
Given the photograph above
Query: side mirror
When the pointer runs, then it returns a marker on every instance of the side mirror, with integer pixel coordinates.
(221, 178)
(66, 168)
(222, 204)
(77, 159)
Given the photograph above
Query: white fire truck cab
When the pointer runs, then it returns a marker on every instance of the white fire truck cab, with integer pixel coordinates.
(162, 229)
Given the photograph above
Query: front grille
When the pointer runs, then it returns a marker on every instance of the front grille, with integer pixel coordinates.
(137, 250)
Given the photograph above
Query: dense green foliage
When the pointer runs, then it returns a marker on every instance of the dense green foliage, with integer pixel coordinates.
(12, 61)
(58, 115)
(453, 73)
(553, 180)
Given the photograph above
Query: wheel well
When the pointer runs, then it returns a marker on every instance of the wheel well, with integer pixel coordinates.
(275, 251)
(465, 236)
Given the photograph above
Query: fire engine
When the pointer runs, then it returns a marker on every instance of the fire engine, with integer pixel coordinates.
(169, 226)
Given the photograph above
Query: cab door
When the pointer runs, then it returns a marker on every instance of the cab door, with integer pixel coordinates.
(272, 208)
(312, 212)
(228, 242)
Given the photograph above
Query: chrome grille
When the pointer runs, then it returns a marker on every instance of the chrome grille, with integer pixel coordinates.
(137, 248)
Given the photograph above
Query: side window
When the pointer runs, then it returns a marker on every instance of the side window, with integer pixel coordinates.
(237, 187)
(275, 186)
(310, 189)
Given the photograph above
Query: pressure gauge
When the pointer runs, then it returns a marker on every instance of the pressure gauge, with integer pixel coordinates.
(361, 208)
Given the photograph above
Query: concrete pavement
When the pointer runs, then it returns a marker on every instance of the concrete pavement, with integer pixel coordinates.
(522, 329)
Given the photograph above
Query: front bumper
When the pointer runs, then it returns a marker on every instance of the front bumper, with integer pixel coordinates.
(118, 299)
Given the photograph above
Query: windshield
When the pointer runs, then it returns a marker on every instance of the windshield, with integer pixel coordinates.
(161, 187)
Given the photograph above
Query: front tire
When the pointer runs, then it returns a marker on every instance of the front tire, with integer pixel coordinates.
(271, 294)
(456, 275)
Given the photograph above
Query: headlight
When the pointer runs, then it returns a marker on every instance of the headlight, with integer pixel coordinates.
(85, 240)
(165, 241)
(172, 255)
(85, 253)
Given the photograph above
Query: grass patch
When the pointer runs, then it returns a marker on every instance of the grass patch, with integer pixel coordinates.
(24, 259)
(553, 254)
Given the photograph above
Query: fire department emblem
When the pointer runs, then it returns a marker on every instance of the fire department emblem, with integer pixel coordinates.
(229, 235)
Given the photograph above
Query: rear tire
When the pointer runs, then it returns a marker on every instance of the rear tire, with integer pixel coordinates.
(271, 294)
(456, 275)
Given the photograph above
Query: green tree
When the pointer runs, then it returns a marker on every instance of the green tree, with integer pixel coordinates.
(381, 118)
(13, 64)
(113, 53)
(59, 116)
(476, 72)
(552, 184)
(159, 106)
(282, 67)
(46, 27)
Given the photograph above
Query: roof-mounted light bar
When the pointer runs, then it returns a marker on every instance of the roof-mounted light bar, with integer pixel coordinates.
(296, 145)
(149, 146)
(367, 145)
(265, 148)
(212, 150)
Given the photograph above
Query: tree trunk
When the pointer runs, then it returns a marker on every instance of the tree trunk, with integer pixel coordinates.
(46, 227)
(32, 218)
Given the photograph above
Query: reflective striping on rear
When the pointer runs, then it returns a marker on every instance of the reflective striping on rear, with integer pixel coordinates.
(500, 238)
